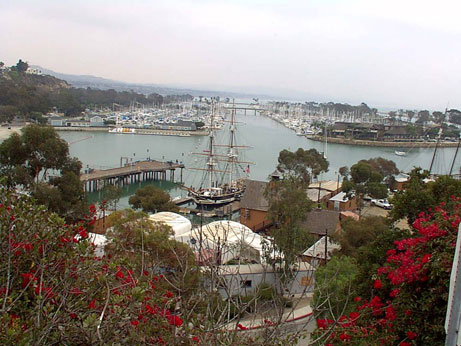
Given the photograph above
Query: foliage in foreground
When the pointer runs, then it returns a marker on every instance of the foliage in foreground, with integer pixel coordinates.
(54, 290)
(410, 291)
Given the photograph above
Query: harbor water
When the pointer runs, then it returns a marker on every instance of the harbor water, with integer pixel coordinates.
(265, 137)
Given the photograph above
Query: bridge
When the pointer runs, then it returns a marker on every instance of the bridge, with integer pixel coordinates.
(132, 172)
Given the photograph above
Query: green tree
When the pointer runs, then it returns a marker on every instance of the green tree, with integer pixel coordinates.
(356, 234)
(152, 199)
(333, 287)
(421, 195)
(302, 164)
(367, 177)
(111, 195)
(27, 159)
(288, 207)
(21, 66)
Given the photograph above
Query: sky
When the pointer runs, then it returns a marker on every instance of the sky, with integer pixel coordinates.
(393, 53)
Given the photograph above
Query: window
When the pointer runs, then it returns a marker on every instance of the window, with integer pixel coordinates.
(247, 214)
(245, 283)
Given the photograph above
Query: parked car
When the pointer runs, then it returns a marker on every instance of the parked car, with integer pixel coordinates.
(382, 203)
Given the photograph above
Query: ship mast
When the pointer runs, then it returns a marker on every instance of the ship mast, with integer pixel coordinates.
(210, 149)
(231, 153)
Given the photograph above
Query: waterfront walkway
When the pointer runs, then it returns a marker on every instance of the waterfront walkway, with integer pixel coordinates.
(130, 173)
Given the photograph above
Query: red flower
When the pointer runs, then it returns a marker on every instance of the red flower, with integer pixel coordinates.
(357, 299)
(92, 304)
(27, 278)
(354, 315)
(411, 335)
(377, 285)
(195, 339)
(168, 294)
(119, 274)
(175, 321)
(404, 343)
(73, 315)
(394, 293)
(345, 337)
(134, 323)
(322, 324)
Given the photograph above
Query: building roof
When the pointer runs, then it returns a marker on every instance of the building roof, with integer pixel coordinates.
(340, 197)
(396, 130)
(253, 197)
(313, 194)
(319, 220)
(328, 185)
(348, 213)
(258, 268)
(401, 177)
(318, 249)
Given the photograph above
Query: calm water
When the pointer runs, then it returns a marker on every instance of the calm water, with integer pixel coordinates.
(265, 137)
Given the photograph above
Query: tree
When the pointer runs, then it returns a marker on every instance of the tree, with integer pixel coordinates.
(410, 115)
(367, 177)
(111, 195)
(288, 207)
(410, 290)
(333, 287)
(26, 160)
(424, 116)
(356, 234)
(421, 195)
(302, 164)
(22, 66)
(152, 199)
(439, 117)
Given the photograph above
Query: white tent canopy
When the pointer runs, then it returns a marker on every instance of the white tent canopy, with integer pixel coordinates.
(230, 239)
(178, 223)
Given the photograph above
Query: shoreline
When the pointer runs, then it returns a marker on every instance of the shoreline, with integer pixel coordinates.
(384, 144)
(153, 132)
(5, 132)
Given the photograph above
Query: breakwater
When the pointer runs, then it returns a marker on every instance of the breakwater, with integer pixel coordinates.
(346, 141)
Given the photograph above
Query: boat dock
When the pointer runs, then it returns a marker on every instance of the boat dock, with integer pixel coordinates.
(132, 172)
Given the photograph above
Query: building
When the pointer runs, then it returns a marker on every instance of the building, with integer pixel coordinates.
(322, 191)
(180, 125)
(319, 253)
(245, 279)
(96, 121)
(56, 120)
(320, 221)
(254, 206)
(341, 202)
(399, 182)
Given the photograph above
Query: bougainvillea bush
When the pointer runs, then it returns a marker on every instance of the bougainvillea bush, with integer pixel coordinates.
(54, 290)
(410, 292)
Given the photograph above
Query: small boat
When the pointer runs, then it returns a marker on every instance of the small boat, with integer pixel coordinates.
(400, 153)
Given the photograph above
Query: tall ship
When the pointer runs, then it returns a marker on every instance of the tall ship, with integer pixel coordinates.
(223, 177)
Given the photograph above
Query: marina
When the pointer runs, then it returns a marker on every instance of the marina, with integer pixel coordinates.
(265, 136)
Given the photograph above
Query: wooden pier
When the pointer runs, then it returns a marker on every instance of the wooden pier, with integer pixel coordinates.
(133, 172)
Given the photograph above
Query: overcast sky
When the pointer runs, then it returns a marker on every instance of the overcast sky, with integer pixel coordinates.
(385, 53)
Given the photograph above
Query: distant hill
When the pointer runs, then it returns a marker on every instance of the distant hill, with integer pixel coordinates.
(84, 81)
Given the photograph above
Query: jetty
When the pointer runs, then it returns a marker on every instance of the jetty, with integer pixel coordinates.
(133, 172)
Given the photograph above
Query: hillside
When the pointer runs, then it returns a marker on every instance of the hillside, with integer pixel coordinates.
(31, 95)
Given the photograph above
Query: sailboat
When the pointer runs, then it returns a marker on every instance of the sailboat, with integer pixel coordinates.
(400, 153)
(220, 184)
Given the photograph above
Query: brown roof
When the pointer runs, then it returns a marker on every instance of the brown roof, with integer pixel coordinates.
(319, 220)
(396, 130)
(253, 197)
